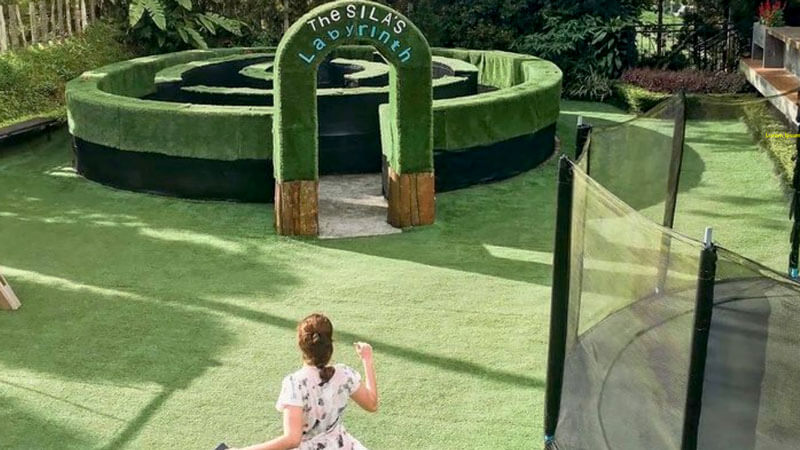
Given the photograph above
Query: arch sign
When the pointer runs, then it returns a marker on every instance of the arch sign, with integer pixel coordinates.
(406, 123)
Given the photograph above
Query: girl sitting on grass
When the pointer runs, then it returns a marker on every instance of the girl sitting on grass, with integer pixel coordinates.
(314, 398)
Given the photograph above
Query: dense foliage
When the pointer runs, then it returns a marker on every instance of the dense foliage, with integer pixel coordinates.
(168, 25)
(32, 80)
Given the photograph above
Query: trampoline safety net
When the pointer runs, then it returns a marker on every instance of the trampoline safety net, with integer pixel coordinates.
(632, 364)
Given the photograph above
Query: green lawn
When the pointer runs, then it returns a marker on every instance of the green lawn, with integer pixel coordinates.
(155, 322)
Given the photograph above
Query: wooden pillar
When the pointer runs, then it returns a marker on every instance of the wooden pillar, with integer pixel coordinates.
(8, 300)
(411, 199)
(297, 208)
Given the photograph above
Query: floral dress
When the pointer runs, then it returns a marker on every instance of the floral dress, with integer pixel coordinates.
(323, 406)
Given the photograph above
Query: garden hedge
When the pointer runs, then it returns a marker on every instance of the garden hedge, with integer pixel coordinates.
(104, 108)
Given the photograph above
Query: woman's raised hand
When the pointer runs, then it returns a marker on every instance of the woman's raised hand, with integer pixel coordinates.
(364, 350)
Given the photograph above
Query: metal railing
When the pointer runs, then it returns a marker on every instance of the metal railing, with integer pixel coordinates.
(701, 46)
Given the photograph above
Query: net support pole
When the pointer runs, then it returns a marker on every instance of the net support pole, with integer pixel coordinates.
(559, 302)
(793, 213)
(584, 130)
(704, 306)
(673, 184)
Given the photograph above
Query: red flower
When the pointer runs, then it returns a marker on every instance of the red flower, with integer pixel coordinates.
(768, 9)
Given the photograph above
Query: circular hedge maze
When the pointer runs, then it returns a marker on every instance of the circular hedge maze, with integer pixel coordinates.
(199, 123)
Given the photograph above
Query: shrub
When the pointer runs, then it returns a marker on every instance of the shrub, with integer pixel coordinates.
(635, 99)
(591, 85)
(689, 80)
(32, 80)
(762, 120)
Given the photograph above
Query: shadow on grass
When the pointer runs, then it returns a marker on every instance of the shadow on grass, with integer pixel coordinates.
(14, 416)
(93, 281)
(440, 362)
(92, 274)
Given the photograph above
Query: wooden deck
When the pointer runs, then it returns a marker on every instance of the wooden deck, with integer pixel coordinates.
(773, 82)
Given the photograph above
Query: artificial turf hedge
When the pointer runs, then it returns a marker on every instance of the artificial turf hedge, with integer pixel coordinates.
(101, 108)
(307, 43)
(261, 71)
(176, 73)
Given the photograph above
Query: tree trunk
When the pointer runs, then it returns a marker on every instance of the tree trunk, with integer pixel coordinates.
(21, 26)
(32, 24)
(285, 16)
(68, 16)
(44, 21)
(92, 10)
(60, 18)
(12, 30)
(84, 18)
(53, 29)
(3, 34)
(76, 16)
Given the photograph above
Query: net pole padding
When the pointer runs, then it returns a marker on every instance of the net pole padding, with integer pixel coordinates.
(793, 213)
(583, 160)
(559, 300)
(676, 162)
(581, 139)
(704, 305)
(673, 184)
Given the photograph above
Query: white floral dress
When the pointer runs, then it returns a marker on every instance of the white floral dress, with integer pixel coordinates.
(323, 406)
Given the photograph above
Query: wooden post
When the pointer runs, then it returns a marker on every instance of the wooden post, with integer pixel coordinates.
(21, 26)
(8, 300)
(411, 199)
(32, 24)
(3, 34)
(297, 208)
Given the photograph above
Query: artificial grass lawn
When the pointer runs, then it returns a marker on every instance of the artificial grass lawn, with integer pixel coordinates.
(150, 321)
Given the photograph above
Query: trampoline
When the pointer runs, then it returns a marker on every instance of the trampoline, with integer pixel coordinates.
(654, 335)
(658, 340)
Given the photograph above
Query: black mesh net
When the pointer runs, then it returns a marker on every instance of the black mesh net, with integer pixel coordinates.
(633, 296)
(751, 391)
(629, 326)
(632, 159)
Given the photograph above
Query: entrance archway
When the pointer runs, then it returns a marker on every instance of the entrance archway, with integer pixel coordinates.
(406, 124)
